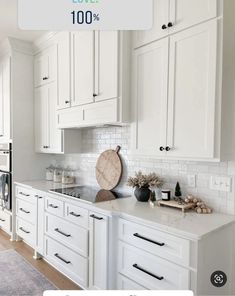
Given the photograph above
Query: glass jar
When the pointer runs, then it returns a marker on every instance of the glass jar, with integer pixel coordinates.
(50, 173)
(68, 176)
(57, 175)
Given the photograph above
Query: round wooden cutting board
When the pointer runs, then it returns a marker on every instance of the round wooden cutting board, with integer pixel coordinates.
(109, 169)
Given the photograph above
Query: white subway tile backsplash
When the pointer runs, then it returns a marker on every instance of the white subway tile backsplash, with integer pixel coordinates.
(95, 141)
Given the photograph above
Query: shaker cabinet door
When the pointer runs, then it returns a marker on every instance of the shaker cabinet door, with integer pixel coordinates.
(150, 98)
(192, 85)
(160, 22)
(106, 65)
(186, 13)
(83, 67)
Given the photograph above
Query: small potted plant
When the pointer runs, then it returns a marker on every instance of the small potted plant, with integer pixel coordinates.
(142, 184)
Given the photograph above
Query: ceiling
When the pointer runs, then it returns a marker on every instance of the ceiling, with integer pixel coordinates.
(8, 23)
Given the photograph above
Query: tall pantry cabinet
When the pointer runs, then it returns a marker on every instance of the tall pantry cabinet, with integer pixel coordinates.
(178, 79)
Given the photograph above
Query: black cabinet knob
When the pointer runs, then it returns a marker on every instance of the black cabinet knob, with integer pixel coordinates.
(67, 102)
(45, 78)
(161, 148)
(170, 24)
(164, 27)
(168, 148)
(95, 95)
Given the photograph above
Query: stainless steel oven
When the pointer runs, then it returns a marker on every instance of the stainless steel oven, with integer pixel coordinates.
(5, 175)
(5, 190)
(5, 157)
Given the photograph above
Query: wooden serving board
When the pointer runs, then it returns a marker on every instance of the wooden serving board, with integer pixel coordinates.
(109, 169)
(176, 205)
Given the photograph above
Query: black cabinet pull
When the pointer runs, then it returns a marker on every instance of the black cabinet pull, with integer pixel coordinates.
(168, 148)
(74, 214)
(24, 211)
(160, 278)
(62, 259)
(67, 102)
(25, 231)
(22, 193)
(95, 217)
(2, 220)
(61, 232)
(45, 78)
(53, 206)
(95, 95)
(149, 240)
(170, 24)
(164, 27)
(161, 148)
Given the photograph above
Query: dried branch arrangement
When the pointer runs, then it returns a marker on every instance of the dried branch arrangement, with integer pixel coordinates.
(144, 181)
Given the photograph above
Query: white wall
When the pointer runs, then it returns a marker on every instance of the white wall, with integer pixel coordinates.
(99, 139)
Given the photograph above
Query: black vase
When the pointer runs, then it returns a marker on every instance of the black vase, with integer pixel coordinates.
(142, 194)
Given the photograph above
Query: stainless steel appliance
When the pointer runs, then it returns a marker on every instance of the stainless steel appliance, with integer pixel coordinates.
(5, 176)
(89, 194)
(5, 157)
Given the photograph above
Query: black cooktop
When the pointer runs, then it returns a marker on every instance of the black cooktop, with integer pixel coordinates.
(89, 194)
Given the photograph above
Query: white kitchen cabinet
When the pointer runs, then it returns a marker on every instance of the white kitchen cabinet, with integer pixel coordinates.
(45, 66)
(83, 67)
(100, 80)
(160, 18)
(5, 221)
(186, 13)
(5, 100)
(191, 94)
(180, 102)
(106, 65)
(63, 42)
(171, 16)
(150, 94)
(48, 138)
(98, 258)
(40, 222)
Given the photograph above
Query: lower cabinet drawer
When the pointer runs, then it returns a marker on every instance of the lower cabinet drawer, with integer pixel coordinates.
(76, 215)
(67, 261)
(123, 283)
(54, 206)
(26, 231)
(5, 221)
(151, 271)
(158, 243)
(26, 210)
(67, 233)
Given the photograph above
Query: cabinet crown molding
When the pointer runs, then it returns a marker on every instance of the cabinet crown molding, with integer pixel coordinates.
(10, 44)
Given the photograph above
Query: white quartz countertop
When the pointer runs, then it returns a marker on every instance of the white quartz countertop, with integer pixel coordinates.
(191, 225)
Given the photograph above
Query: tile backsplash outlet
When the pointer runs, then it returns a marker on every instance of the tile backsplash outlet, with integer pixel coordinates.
(194, 177)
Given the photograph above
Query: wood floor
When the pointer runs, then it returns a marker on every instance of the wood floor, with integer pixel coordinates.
(60, 281)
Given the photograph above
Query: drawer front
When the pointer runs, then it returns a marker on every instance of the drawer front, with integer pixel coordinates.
(71, 235)
(25, 194)
(54, 206)
(5, 221)
(26, 231)
(151, 271)
(67, 261)
(156, 242)
(76, 215)
(26, 211)
(123, 283)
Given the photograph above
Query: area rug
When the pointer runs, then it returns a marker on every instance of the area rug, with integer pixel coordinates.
(20, 278)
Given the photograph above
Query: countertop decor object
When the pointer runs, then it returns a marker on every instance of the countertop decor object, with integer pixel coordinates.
(177, 205)
(142, 184)
(109, 169)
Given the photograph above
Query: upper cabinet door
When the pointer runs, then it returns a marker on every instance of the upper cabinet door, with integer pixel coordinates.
(185, 13)
(192, 84)
(83, 67)
(150, 98)
(5, 99)
(106, 65)
(64, 70)
(159, 29)
(45, 67)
